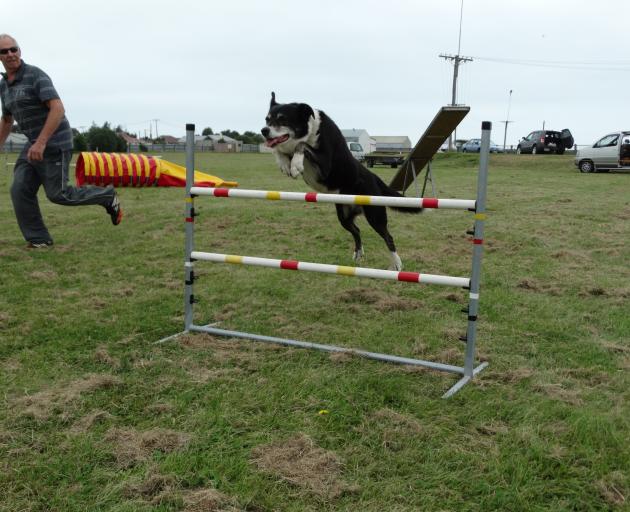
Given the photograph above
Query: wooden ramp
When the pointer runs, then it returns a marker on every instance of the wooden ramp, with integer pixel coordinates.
(443, 124)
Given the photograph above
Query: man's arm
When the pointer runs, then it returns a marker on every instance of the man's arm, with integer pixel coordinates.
(55, 116)
(6, 122)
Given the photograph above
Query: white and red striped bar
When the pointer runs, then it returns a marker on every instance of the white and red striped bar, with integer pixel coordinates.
(410, 277)
(315, 197)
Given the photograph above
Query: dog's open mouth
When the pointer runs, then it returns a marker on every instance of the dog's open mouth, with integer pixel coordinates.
(276, 140)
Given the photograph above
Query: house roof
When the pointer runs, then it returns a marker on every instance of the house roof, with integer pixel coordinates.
(17, 138)
(396, 139)
(128, 138)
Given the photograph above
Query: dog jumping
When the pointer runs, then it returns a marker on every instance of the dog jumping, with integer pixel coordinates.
(307, 142)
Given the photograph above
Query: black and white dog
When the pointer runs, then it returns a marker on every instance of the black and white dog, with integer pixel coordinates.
(307, 142)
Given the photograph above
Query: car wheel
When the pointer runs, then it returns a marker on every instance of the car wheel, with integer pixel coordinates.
(560, 151)
(518, 150)
(534, 150)
(587, 166)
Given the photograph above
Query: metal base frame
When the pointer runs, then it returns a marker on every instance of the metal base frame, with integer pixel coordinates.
(467, 372)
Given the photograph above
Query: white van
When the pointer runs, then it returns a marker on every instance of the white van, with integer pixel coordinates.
(610, 152)
(357, 151)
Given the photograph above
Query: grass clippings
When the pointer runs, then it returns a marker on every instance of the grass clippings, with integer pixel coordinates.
(131, 447)
(301, 463)
(58, 401)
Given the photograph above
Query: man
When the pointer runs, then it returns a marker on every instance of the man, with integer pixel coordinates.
(29, 97)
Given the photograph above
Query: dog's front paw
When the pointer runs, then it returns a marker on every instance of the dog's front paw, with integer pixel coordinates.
(297, 165)
(357, 256)
(396, 263)
(285, 168)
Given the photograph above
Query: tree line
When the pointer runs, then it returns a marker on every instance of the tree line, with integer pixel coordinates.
(108, 139)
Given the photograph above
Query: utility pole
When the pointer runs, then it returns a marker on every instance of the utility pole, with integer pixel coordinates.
(156, 129)
(457, 59)
(507, 121)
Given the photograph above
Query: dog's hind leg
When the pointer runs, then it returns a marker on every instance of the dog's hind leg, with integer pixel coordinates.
(346, 215)
(377, 218)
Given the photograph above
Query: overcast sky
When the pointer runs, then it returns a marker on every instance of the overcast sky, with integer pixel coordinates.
(368, 64)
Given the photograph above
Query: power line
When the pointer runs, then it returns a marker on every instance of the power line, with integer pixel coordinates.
(618, 65)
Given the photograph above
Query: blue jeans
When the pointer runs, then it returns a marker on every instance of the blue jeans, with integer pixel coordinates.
(52, 173)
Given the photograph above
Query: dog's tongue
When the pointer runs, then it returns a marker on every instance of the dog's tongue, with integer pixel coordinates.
(277, 140)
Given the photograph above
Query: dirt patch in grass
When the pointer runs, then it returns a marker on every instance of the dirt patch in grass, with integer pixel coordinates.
(379, 300)
(102, 356)
(43, 275)
(342, 357)
(131, 447)
(208, 500)
(204, 375)
(301, 463)
(12, 365)
(394, 428)
(492, 428)
(557, 391)
(613, 489)
(534, 286)
(615, 347)
(590, 377)
(42, 405)
(232, 351)
(85, 423)
(4, 319)
(154, 485)
(508, 376)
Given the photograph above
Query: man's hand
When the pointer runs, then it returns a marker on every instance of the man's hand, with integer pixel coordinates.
(36, 152)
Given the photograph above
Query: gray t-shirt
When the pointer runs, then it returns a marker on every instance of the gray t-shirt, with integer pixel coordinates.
(24, 100)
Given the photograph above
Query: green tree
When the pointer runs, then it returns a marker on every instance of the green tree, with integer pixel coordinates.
(252, 138)
(233, 134)
(80, 142)
(104, 139)
(207, 131)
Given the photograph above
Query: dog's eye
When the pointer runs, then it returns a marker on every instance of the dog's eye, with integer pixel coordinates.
(280, 116)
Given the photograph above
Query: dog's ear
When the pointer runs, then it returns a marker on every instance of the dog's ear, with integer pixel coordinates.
(273, 100)
(306, 110)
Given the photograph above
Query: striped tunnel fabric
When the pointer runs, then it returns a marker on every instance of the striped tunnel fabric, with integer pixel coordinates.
(117, 169)
(137, 170)
(314, 197)
(410, 277)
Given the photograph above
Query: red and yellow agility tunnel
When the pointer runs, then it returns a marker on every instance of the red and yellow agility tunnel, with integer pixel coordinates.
(137, 170)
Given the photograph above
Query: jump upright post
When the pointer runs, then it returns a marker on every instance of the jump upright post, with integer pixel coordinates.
(467, 371)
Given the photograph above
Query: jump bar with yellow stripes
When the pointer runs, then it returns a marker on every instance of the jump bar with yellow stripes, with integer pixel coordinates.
(392, 275)
(314, 197)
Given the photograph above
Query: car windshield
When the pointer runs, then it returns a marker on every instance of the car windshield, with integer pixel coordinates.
(355, 146)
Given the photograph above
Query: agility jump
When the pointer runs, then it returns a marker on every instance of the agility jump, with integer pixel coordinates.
(467, 371)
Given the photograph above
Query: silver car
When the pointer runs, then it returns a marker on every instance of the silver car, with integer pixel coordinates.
(612, 151)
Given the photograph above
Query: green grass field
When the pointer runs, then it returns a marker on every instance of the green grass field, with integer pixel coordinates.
(97, 417)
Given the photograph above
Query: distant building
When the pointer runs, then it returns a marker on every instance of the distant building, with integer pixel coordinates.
(362, 137)
(220, 143)
(392, 143)
(129, 139)
(15, 142)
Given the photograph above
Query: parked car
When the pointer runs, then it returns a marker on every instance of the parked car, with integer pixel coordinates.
(545, 141)
(474, 146)
(357, 151)
(612, 151)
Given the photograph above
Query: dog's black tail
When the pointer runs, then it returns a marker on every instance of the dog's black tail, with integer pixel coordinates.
(387, 191)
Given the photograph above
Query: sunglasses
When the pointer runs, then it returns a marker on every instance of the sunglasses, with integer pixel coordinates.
(13, 49)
